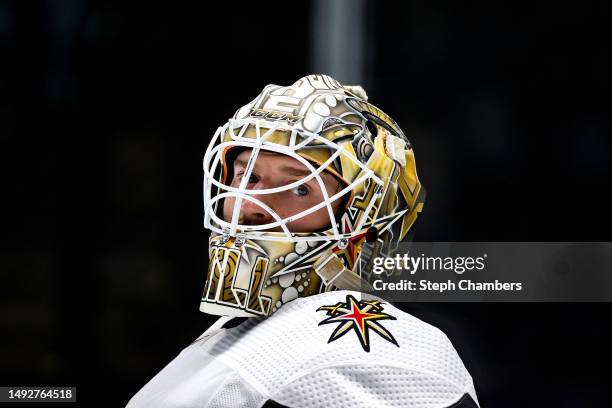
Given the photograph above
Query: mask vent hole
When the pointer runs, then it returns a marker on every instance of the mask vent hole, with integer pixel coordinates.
(372, 129)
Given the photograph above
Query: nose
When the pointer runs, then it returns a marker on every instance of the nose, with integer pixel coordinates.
(252, 213)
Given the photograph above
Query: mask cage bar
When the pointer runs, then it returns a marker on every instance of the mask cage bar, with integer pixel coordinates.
(212, 160)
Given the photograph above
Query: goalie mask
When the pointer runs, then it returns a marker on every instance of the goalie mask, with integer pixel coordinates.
(355, 163)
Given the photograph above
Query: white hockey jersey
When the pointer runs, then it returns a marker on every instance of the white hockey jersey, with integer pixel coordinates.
(335, 349)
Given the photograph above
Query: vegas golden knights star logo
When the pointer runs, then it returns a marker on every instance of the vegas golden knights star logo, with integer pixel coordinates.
(360, 316)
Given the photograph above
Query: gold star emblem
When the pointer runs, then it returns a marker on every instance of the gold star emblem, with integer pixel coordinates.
(361, 316)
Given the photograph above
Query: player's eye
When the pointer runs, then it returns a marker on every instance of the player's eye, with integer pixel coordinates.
(252, 179)
(300, 190)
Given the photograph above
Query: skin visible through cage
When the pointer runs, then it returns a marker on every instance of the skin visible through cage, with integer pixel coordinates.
(272, 170)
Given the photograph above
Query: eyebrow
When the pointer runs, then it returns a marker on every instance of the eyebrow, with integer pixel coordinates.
(290, 170)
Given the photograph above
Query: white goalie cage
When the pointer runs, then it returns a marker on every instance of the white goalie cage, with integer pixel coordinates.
(263, 130)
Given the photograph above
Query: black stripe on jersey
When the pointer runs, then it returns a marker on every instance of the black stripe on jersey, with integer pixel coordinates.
(235, 321)
(466, 401)
(273, 404)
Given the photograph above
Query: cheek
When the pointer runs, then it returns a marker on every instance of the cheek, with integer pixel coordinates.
(311, 222)
(337, 204)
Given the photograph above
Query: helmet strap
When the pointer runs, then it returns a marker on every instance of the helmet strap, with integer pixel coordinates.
(333, 272)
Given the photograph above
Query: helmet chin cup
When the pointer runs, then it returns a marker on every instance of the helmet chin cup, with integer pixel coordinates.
(222, 310)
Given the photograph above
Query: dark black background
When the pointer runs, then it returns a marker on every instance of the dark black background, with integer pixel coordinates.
(106, 108)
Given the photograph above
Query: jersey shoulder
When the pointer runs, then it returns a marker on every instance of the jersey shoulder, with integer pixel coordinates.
(350, 346)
